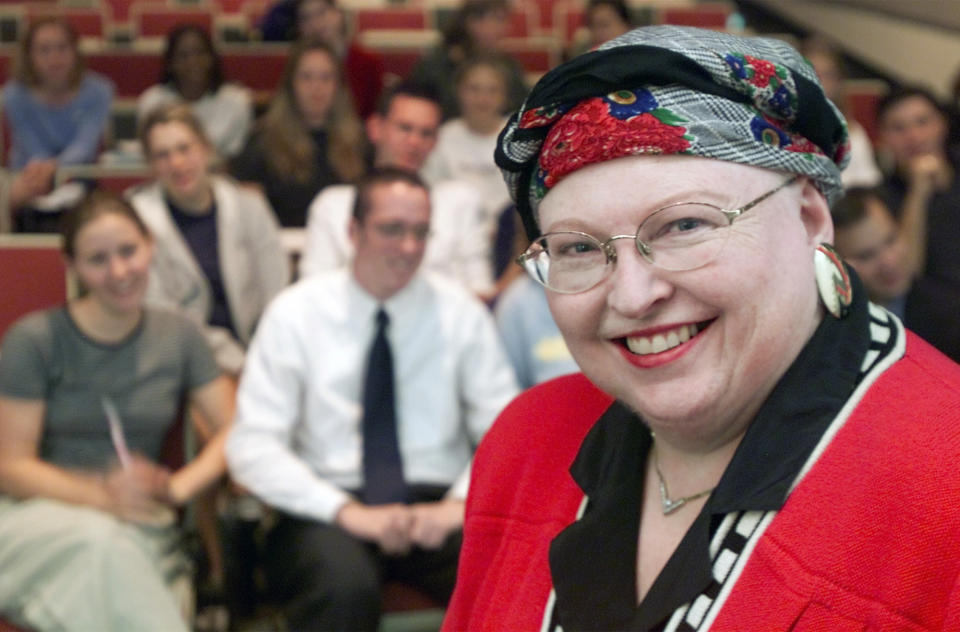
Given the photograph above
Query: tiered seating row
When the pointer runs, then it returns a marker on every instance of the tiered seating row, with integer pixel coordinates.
(130, 20)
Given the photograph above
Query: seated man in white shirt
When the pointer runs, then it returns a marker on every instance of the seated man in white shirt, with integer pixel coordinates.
(403, 132)
(303, 441)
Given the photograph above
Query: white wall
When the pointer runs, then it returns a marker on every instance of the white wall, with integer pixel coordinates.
(913, 52)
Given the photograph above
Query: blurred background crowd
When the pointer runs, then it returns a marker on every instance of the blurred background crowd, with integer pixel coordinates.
(264, 112)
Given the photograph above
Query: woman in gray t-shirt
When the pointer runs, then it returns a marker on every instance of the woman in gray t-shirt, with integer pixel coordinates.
(88, 394)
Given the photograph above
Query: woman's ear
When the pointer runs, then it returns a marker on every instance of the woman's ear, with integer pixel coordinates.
(815, 214)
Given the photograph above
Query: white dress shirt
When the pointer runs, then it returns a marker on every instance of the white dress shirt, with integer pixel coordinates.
(297, 439)
(458, 247)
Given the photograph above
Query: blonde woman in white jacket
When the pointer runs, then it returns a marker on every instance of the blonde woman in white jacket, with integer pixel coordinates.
(218, 254)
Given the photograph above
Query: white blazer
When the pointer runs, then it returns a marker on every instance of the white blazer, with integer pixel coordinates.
(252, 263)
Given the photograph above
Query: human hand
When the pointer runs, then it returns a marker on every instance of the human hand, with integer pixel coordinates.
(139, 492)
(433, 522)
(386, 525)
(928, 173)
(34, 179)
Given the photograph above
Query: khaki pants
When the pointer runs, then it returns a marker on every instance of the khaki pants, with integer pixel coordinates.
(67, 567)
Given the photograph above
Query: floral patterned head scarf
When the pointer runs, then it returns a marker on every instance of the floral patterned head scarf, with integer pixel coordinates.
(674, 90)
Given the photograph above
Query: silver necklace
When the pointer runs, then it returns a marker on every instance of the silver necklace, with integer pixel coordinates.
(666, 503)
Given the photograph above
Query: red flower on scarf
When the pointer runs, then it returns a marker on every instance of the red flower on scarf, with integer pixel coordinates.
(763, 70)
(589, 134)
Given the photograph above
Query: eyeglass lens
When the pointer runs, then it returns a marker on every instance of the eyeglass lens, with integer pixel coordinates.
(678, 237)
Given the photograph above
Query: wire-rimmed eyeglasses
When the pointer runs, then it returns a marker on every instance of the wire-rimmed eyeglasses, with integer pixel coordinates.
(677, 237)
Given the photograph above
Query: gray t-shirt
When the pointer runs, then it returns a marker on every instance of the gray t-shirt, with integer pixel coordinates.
(147, 376)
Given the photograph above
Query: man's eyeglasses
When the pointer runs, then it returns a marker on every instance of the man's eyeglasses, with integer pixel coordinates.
(399, 230)
(681, 236)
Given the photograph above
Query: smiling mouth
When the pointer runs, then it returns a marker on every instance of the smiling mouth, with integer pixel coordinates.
(664, 340)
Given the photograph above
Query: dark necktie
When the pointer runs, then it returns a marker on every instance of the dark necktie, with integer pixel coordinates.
(382, 467)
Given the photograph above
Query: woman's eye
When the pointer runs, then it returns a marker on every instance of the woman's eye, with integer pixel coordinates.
(576, 248)
(128, 251)
(685, 225)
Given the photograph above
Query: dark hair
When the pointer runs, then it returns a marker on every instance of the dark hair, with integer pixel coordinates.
(381, 176)
(456, 33)
(852, 208)
(900, 94)
(96, 204)
(618, 6)
(412, 89)
(176, 34)
(24, 70)
(298, 3)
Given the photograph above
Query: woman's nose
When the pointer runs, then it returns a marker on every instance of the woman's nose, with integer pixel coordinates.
(635, 285)
(118, 267)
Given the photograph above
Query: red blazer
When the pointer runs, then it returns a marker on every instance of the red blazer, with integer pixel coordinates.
(869, 540)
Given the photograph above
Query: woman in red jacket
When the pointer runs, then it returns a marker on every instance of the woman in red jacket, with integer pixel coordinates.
(757, 447)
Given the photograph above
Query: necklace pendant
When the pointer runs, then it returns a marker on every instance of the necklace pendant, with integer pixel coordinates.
(669, 506)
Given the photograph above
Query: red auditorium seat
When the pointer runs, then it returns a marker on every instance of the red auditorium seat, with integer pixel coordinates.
(708, 15)
(523, 21)
(156, 21)
(391, 19)
(862, 96)
(257, 66)
(536, 55)
(131, 71)
(34, 276)
(121, 9)
(88, 22)
(567, 20)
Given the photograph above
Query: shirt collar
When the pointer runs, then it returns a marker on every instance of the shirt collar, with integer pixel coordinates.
(365, 304)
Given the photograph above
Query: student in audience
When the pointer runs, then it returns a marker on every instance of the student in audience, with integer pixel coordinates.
(368, 471)
(323, 21)
(867, 236)
(88, 393)
(218, 254)
(403, 133)
(465, 145)
(477, 27)
(193, 73)
(604, 21)
(308, 139)
(58, 112)
(828, 64)
(924, 194)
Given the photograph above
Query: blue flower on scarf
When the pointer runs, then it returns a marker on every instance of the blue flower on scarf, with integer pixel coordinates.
(736, 63)
(780, 102)
(625, 104)
(768, 134)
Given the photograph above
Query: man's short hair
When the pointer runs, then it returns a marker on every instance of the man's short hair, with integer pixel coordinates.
(900, 94)
(412, 89)
(381, 176)
(852, 208)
